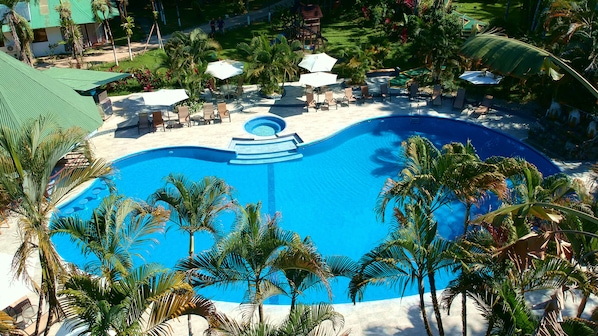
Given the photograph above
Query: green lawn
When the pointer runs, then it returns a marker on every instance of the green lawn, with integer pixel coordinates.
(150, 59)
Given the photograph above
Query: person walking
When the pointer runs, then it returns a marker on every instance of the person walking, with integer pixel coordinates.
(220, 25)
(213, 27)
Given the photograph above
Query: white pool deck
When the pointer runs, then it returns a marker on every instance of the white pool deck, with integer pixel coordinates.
(116, 138)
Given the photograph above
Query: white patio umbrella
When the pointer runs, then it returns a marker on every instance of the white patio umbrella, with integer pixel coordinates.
(317, 62)
(164, 97)
(318, 79)
(481, 77)
(225, 69)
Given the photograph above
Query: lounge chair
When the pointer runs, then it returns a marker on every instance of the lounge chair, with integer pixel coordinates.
(329, 100)
(459, 99)
(157, 120)
(365, 93)
(413, 90)
(349, 97)
(184, 117)
(310, 101)
(485, 105)
(223, 112)
(24, 315)
(384, 93)
(143, 122)
(437, 95)
(208, 113)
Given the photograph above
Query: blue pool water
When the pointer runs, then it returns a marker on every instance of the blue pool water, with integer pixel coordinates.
(265, 125)
(328, 195)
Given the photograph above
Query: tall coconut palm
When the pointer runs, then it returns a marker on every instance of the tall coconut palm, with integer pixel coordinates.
(140, 303)
(118, 231)
(306, 320)
(411, 253)
(102, 10)
(20, 30)
(195, 206)
(253, 254)
(28, 157)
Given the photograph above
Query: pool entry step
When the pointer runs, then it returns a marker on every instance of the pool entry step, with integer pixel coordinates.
(251, 151)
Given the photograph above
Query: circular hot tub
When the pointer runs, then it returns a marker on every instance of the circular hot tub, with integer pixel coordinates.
(265, 125)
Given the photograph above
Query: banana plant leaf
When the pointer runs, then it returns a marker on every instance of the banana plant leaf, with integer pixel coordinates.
(515, 58)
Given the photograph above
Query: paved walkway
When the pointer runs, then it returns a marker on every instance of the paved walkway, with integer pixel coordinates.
(106, 54)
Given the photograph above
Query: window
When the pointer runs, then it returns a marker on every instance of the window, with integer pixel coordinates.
(39, 35)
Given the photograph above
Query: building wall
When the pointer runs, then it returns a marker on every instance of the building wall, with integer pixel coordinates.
(93, 34)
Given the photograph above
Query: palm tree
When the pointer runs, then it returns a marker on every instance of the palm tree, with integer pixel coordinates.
(271, 63)
(71, 31)
(254, 254)
(128, 26)
(105, 8)
(519, 59)
(195, 206)
(186, 57)
(410, 253)
(306, 320)
(28, 157)
(20, 30)
(118, 230)
(140, 303)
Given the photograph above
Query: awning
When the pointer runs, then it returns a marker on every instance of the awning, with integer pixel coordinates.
(84, 80)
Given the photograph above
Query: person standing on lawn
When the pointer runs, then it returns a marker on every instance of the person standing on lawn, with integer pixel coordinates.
(213, 27)
(220, 25)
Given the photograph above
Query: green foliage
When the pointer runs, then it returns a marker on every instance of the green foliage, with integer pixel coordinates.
(271, 62)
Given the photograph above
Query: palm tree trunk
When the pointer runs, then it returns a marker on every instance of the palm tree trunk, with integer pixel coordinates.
(107, 25)
(466, 218)
(189, 325)
(582, 305)
(422, 305)
(464, 312)
(191, 245)
(507, 9)
(40, 303)
(129, 44)
(435, 304)
(12, 20)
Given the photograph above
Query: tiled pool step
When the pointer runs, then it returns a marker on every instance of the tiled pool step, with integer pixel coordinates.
(250, 151)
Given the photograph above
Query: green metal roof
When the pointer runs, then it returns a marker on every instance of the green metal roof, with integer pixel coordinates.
(44, 13)
(27, 93)
(84, 80)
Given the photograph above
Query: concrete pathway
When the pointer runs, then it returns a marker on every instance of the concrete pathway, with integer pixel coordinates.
(106, 54)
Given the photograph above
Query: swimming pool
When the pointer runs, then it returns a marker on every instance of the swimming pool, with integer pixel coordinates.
(329, 194)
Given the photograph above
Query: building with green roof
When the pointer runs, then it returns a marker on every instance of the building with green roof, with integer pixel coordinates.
(45, 22)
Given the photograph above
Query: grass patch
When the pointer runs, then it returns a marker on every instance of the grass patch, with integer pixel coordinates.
(150, 59)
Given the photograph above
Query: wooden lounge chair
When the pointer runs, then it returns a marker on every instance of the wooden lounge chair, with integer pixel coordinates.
(485, 105)
(349, 97)
(143, 122)
(365, 93)
(329, 100)
(208, 113)
(384, 93)
(223, 112)
(310, 101)
(157, 120)
(437, 95)
(184, 117)
(459, 99)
